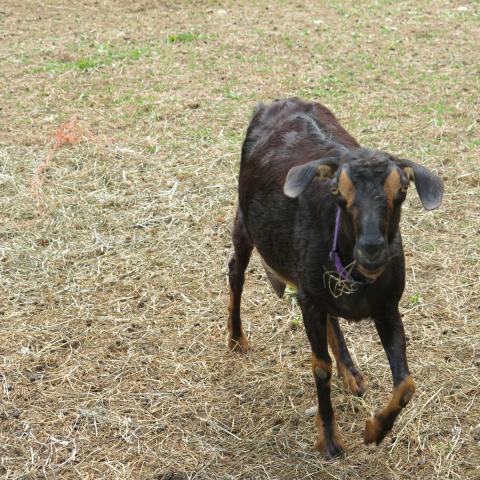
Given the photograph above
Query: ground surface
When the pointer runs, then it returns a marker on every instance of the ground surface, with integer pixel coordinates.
(115, 237)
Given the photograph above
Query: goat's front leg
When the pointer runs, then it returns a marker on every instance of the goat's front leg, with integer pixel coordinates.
(392, 335)
(329, 441)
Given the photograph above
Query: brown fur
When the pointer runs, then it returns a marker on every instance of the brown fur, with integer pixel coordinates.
(320, 368)
(239, 344)
(346, 188)
(321, 443)
(354, 383)
(392, 186)
(401, 395)
(377, 426)
(289, 217)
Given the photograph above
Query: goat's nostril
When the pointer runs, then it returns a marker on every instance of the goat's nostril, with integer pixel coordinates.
(371, 252)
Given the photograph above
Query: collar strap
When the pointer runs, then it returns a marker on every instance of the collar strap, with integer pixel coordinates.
(334, 255)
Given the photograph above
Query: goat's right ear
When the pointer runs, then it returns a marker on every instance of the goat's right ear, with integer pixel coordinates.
(299, 177)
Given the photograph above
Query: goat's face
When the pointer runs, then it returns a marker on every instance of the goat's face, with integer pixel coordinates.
(370, 186)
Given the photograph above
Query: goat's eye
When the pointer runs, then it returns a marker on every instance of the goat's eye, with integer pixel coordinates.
(404, 188)
(334, 190)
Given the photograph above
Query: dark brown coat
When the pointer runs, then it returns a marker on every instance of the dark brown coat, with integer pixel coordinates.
(299, 167)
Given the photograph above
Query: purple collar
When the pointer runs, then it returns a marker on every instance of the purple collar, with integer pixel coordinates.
(334, 255)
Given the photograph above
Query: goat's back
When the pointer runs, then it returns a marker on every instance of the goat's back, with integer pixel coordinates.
(293, 124)
(281, 135)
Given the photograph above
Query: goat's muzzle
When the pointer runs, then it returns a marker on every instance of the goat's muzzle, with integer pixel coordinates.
(371, 256)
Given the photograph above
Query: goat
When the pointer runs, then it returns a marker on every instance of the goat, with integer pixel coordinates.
(324, 216)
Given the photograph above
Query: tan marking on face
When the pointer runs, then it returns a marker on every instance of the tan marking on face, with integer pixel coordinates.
(346, 188)
(372, 275)
(391, 186)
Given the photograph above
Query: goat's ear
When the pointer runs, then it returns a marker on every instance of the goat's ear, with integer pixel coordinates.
(429, 186)
(299, 177)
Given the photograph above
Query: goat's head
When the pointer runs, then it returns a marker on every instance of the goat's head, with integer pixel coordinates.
(370, 187)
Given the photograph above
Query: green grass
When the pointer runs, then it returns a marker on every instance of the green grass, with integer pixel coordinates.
(104, 54)
(185, 37)
(232, 95)
(296, 322)
(415, 299)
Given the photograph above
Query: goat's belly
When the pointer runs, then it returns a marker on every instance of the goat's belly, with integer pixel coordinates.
(273, 242)
(279, 282)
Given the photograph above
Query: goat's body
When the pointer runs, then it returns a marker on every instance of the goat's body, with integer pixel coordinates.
(291, 218)
(294, 237)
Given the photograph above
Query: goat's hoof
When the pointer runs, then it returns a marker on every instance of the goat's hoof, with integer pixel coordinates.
(353, 380)
(239, 344)
(331, 448)
(329, 442)
(375, 430)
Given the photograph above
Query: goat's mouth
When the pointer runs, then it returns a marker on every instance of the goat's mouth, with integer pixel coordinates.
(370, 274)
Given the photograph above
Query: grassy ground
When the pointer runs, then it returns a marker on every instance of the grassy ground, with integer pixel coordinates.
(114, 240)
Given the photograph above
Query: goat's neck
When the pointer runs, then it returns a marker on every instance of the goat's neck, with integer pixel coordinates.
(346, 240)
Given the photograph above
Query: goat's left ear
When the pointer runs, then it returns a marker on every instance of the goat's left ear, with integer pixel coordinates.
(429, 186)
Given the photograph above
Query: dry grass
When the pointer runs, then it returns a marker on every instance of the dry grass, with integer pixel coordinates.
(113, 293)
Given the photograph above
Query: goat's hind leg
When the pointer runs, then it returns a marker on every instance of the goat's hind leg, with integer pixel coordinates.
(346, 369)
(236, 275)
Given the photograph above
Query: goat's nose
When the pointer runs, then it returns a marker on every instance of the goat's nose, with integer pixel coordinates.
(372, 248)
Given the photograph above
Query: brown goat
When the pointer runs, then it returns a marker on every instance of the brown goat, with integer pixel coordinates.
(324, 216)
